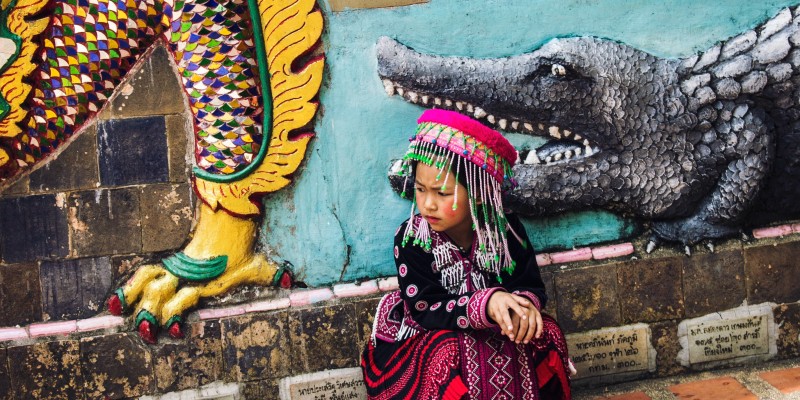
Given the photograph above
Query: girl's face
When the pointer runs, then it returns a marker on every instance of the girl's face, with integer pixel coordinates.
(436, 204)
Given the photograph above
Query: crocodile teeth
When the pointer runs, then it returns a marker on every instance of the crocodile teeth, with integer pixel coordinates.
(479, 113)
(515, 125)
(413, 96)
(578, 152)
(448, 102)
(541, 127)
(588, 150)
(577, 137)
(548, 159)
(491, 119)
(425, 99)
(566, 133)
(470, 108)
(528, 126)
(557, 156)
(503, 123)
(400, 91)
(568, 155)
(389, 87)
(586, 143)
(554, 132)
(459, 105)
(437, 101)
(532, 158)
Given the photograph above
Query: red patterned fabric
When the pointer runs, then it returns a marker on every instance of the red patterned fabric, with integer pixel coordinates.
(423, 367)
(472, 364)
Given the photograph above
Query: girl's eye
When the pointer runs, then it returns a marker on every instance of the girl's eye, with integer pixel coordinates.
(419, 189)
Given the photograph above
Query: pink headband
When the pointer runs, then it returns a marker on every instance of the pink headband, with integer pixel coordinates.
(467, 138)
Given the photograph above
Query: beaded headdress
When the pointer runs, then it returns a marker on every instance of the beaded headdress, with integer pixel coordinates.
(455, 143)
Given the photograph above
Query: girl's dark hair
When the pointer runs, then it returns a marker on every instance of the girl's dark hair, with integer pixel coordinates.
(461, 178)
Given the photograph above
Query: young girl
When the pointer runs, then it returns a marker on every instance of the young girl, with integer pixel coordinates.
(466, 321)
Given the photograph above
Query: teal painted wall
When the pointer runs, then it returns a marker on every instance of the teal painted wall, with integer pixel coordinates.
(336, 222)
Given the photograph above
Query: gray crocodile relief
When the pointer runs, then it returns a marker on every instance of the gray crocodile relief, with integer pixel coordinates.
(701, 147)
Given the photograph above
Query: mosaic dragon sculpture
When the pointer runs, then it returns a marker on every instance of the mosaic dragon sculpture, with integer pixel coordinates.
(251, 85)
(700, 146)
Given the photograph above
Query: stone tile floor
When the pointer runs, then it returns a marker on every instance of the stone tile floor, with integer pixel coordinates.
(767, 381)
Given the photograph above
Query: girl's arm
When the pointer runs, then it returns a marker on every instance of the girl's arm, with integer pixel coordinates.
(526, 280)
(431, 306)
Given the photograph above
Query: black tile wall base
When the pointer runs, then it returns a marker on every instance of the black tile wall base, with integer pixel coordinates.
(133, 151)
(105, 221)
(20, 294)
(47, 370)
(75, 288)
(117, 366)
(33, 228)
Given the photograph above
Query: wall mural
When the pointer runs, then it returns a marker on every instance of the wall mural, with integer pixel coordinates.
(701, 146)
(238, 64)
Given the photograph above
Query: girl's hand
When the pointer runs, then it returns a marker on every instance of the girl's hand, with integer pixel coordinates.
(498, 310)
(528, 328)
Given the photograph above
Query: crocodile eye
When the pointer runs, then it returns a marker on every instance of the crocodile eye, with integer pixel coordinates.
(558, 70)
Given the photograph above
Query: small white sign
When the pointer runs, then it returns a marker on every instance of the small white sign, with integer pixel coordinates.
(339, 384)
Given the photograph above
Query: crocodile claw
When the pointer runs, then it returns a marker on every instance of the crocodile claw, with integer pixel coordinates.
(148, 331)
(114, 305)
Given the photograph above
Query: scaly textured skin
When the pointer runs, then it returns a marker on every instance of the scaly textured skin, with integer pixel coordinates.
(700, 146)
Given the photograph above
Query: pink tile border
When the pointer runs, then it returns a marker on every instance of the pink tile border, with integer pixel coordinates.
(104, 322)
(356, 289)
(581, 254)
(210, 313)
(267, 305)
(772, 231)
(13, 334)
(53, 328)
(543, 259)
(306, 297)
(615, 250)
(388, 284)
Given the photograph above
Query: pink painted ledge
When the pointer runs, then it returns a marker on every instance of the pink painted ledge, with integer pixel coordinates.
(388, 284)
(356, 289)
(306, 297)
(796, 228)
(543, 259)
(212, 313)
(773, 231)
(53, 328)
(13, 334)
(615, 250)
(104, 322)
(581, 254)
(268, 305)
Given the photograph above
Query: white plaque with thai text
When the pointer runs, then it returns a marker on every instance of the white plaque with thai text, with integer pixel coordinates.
(611, 351)
(743, 333)
(339, 384)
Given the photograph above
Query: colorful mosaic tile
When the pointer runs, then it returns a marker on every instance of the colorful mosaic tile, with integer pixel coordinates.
(84, 55)
(213, 47)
